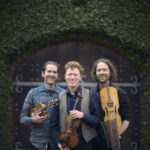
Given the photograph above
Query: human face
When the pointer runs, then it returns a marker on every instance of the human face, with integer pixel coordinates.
(102, 72)
(72, 78)
(50, 75)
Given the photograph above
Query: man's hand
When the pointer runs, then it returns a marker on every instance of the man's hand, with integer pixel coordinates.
(75, 114)
(38, 119)
(60, 147)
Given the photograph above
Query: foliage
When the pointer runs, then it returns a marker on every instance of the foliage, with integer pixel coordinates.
(25, 25)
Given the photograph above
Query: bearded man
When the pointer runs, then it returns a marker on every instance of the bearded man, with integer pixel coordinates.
(105, 73)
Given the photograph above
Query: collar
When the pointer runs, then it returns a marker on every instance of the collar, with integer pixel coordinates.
(42, 88)
(78, 90)
(98, 87)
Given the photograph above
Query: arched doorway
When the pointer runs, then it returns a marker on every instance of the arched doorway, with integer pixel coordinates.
(27, 75)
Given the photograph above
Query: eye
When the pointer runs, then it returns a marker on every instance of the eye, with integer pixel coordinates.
(98, 70)
(105, 69)
(69, 74)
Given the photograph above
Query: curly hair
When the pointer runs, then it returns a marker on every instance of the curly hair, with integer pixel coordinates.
(113, 71)
(72, 65)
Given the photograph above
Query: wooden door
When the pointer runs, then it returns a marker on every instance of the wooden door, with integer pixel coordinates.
(27, 74)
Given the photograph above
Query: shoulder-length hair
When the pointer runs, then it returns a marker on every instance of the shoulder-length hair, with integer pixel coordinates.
(113, 71)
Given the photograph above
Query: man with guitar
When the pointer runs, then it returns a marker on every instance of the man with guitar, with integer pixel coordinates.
(36, 111)
(112, 105)
(75, 119)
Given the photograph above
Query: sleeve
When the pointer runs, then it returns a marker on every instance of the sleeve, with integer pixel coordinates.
(92, 119)
(124, 108)
(54, 123)
(24, 115)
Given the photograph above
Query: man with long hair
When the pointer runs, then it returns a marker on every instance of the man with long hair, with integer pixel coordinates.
(105, 73)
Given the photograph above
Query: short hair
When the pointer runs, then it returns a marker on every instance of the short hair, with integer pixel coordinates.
(113, 71)
(72, 65)
(49, 63)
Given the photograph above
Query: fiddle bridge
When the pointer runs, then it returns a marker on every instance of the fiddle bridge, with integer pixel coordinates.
(111, 112)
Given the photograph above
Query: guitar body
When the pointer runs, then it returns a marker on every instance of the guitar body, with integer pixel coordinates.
(112, 119)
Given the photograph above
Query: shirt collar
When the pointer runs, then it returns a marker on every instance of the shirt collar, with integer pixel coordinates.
(78, 90)
(42, 88)
(98, 88)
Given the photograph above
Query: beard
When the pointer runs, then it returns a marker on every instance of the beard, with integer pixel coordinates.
(103, 81)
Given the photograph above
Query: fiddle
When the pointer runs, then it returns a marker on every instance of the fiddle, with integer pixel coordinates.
(112, 119)
(42, 109)
(69, 137)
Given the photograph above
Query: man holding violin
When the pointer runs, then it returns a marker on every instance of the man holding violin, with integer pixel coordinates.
(43, 95)
(112, 103)
(73, 122)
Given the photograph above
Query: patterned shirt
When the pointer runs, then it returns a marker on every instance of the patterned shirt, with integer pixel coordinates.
(41, 134)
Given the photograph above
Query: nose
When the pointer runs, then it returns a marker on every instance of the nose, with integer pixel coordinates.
(51, 73)
(101, 72)
(72, 76)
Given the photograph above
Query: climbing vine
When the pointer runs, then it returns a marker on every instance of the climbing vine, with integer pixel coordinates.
(31, 24)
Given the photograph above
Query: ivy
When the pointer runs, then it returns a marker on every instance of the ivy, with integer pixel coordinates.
(31, 24)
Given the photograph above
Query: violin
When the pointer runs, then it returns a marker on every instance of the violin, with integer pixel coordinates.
(41, 108)
(112, 119)
(69, 137)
